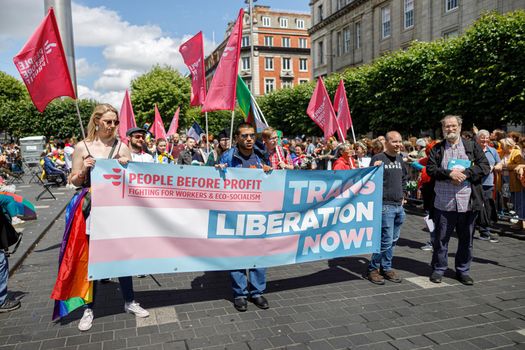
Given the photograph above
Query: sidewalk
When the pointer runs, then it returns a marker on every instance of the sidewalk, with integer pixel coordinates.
(48, 210)
(319, 305)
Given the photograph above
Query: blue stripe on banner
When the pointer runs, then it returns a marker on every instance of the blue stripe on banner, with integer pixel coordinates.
(169, 265)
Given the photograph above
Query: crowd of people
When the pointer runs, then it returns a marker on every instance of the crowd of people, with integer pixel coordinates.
(464, 181)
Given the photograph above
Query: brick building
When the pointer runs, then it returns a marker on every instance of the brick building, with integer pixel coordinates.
(347, 33)
(281, 50)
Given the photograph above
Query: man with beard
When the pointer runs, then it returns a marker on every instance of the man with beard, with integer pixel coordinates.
(243, 156)
(136, 138)
(457, 166)
(186, 156)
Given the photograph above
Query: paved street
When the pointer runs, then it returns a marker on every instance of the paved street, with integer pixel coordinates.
(320, 305)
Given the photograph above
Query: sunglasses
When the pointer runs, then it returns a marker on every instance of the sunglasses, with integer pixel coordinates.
(139, 136)
(110, 122)
(245, 136)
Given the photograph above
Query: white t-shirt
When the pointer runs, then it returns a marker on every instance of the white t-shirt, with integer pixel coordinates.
(68, 156)
(141, 157)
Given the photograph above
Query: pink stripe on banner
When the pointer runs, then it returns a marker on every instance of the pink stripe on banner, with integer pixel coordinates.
(109, 195)
(109, 250)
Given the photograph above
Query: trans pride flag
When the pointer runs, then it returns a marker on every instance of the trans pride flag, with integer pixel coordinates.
(149, 218)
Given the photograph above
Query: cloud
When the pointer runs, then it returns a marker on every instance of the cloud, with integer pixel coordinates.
(84, 68)
(115, 79)
(18, 17)
(99, 26)
(114, 98)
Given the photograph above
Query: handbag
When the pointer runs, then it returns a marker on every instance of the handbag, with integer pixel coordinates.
(8, 235)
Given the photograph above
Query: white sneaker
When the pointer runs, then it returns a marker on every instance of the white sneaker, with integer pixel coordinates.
(134, 308)
(16, 221)
(86, 321)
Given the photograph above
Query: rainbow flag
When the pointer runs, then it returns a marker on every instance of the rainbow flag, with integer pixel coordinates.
(72, 288)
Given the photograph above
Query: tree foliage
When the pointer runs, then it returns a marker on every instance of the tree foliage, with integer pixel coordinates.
(165, 87)
(479, 75)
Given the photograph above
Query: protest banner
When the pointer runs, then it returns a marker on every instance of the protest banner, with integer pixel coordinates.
(152, 218)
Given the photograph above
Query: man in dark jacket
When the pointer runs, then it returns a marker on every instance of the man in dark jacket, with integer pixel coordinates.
(457, 166)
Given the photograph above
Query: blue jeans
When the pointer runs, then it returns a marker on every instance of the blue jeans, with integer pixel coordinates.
(240, 283)
(126, 288)
(392, 218)
(4, 275)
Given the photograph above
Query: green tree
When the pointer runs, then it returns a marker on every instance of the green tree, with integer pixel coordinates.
(165, 87)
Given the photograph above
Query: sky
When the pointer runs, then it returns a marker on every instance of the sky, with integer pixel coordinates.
(118, 40)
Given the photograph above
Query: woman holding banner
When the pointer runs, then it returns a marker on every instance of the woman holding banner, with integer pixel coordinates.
(72, 288)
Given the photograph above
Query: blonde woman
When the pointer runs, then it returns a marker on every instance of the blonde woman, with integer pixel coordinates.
(508, 183)
(101, 142)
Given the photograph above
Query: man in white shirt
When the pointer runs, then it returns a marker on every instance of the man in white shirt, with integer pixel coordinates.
(137, 137)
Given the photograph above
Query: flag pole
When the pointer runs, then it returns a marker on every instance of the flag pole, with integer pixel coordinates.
(259, 108)
(207, 135)
(353, 133)
(80, 120)
(231, 129)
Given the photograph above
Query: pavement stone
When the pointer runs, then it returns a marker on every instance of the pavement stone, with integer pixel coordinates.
(317, 305)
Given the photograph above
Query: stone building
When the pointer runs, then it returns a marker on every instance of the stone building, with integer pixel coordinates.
(347, 33)
(281, 47)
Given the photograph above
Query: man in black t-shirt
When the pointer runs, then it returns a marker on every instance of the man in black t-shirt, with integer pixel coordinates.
(394, 184)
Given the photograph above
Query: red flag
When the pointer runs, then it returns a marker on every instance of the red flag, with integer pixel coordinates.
(192, 52)
(174, 123)
(43, 66)
(341, 108)
(126, 118)
(221, 94)
(321, 111)
(157, 128)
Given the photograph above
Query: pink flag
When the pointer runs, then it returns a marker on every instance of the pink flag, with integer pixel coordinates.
(321, 111)
(221, 94)
(43, 66)
(157, 128)
(192, 52)
(174, 123)
(126, 118)
(341, 108)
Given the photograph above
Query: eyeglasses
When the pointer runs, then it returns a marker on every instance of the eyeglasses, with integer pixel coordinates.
(139, 136)
(110, 122)
(245, 136)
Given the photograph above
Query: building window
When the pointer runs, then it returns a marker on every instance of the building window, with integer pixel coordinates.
(286, 63)
(303, 64)
(268, 63)
(268, 41)
(300, 24)
(283, 22)
(341, 4)
(338, 43)
(269, 85)
(358, 35)
(245, 41)
(451, 5)
(319, 13)
(409, 14)
(346, 40)
(385, 22)
(245, 63)
(266, 21)
(303, 81)
(248, 83)
(303, 43)
(320, 53)
(287, 84)
(451, 34)
(286, 42)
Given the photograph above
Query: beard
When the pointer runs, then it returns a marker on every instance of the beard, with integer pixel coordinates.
(451, 136)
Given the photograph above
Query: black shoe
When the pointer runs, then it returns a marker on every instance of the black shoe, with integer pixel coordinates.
(260, 302)
(436, 277)
(240, 304)
(465, 279)
(9, 305)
